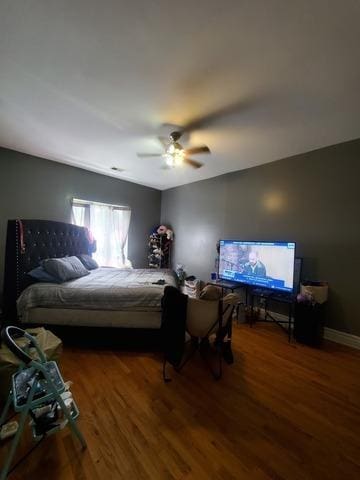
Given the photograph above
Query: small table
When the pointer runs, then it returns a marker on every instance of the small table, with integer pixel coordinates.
(232, 286)
(225, 285)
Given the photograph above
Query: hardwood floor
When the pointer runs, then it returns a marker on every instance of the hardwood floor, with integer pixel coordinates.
(282, 411)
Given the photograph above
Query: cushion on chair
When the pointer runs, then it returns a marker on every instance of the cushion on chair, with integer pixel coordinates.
(231, 299)
(201, 316)
(211, 292)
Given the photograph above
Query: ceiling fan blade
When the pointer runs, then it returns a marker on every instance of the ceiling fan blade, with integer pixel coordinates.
(229, 113)
(145, 155)
(164, 141)
(195, 150)
(192, 163)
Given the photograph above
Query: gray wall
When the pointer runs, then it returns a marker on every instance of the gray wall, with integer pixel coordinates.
(32, 187)
(312, 199)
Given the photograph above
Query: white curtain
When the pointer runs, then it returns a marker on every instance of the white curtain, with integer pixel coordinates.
(109, 226)
(121, 223)
(78, 212)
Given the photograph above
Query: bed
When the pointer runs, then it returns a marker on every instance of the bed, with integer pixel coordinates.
(107, 297)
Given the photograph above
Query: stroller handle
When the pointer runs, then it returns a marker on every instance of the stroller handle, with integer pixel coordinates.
(7, 335)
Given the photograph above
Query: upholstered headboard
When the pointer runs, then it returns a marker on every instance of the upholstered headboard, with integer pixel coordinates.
(30, 241)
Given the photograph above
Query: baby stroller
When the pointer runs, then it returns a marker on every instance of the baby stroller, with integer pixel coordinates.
(38, 391)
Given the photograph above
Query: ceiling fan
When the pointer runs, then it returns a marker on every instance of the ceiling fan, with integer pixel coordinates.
(175, 155)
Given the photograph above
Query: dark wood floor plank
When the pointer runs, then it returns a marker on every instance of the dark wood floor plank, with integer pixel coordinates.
(282, 411)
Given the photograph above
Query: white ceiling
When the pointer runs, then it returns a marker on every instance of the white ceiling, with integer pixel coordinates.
(90, 83)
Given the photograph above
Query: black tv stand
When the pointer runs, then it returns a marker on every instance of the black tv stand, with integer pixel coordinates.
(225, 284)
(267, 295)
(274, 294)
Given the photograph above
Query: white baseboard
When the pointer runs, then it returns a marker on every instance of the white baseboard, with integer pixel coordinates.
(342, 337)
(329, 333)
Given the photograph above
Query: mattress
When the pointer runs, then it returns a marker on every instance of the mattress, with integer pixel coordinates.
(104, 289)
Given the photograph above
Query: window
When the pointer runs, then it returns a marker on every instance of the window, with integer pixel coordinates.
(109, 224)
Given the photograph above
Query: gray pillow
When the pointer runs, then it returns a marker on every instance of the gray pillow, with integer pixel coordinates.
(41, 275)
(88, 262)
(64, 269)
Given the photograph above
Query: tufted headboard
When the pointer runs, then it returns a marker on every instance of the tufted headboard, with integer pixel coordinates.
(30, 241)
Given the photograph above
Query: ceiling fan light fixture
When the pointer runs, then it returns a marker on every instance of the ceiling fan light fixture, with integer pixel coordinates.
(175, 155)
(179, 157)
(170, 161)
(173, 148)
(175, 159)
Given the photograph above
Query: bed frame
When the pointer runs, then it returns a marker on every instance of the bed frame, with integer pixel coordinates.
(30, 241)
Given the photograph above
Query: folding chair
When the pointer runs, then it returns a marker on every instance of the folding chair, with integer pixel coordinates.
(204, 319)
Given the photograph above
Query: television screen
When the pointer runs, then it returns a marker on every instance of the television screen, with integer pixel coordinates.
(262, 264)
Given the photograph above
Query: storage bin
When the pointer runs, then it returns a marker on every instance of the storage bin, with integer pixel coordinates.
(318, 291)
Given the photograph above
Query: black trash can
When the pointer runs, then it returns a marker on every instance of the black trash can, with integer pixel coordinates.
(309, 323)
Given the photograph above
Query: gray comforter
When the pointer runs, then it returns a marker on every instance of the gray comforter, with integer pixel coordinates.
(105, 288)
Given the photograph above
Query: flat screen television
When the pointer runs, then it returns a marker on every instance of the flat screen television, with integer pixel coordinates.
(261, 264)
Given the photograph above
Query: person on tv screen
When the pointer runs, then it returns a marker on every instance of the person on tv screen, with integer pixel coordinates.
(254, 266)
